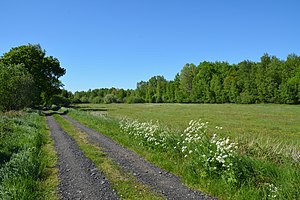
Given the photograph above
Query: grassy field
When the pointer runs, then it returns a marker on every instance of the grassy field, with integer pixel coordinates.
(268, 122)
(266, 158)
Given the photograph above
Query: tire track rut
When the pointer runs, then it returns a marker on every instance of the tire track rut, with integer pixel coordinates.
(160, 180)
(79, 177)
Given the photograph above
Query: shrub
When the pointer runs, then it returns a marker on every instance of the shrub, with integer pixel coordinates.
(84, 99)
(97, 100)
(110, 98)
(135, 99)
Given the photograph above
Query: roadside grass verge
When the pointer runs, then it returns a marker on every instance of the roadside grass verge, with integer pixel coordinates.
(126, 185)
(50, 179)
(256, 172)
(25, 161)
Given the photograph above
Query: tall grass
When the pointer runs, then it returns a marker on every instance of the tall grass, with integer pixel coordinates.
(211, 163)
(22, 160)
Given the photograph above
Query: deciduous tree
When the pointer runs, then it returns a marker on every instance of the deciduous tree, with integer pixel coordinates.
(17, 89)
(45, 70)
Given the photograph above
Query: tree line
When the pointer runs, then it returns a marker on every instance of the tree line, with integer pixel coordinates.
(270, 80)
(28, 78)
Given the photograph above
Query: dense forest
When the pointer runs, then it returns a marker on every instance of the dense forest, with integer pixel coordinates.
(270, 80)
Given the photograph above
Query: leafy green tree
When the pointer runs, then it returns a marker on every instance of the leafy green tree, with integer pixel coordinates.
(121, 94)
(97, 100)
(16, 87)
(289, 88)
(151, 90)
(67, 94)
(160, 89)
(84, 99)
(178, 92)
(216, 89)
(59, 100)
(187, 74)
(261, 80)
(170, 92)
(201, 91)
(141, 89)
(293, 88)
(45, 70)
(231, 87)
(247, 76)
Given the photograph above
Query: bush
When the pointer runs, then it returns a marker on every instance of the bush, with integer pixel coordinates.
(84, 99)
(134, 99)
(54, 107)
(97, 100)
(110, 98)
(75, 100)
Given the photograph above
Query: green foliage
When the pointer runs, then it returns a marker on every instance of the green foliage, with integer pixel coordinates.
(22, 161)
(110, 98)
(17, 89)
(98, 95)
(96, 100)
(60, 100)
(45, 70)
(268, 81)
(187, 74)
(134, 99)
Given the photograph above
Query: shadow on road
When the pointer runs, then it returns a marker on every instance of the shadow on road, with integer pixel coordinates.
(51, 112)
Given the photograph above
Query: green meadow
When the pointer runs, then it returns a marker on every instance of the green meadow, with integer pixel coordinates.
(269, 122)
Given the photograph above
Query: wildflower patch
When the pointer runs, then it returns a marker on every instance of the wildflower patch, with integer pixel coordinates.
(213, 154)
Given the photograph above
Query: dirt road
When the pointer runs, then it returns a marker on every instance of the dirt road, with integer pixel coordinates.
(79, 177)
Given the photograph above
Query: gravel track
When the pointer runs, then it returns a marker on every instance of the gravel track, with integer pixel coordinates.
(160, 180)
(79, 177)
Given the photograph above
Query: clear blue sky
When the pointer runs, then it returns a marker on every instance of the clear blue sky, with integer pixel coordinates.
(117, 43)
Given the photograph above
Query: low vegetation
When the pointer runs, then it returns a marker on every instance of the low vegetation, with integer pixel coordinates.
(206, 159)
(25, 161)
